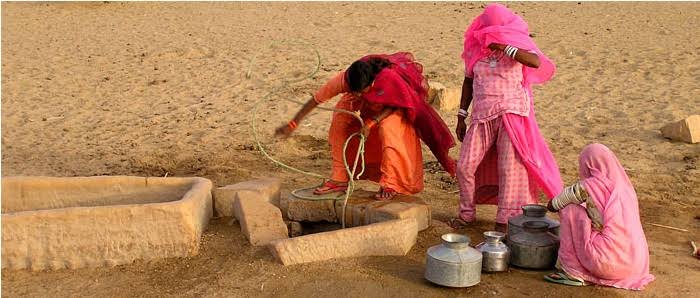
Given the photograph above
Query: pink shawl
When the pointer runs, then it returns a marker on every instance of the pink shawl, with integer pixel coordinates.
(499, 24)
(618, 255)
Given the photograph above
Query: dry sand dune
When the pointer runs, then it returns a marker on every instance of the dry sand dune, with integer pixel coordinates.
(156, 88)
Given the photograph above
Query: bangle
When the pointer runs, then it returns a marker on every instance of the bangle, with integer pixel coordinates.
(510, 51)
(292, 124)
(463, 113)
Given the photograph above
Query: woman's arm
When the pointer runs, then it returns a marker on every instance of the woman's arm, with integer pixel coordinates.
(465, 102)
(285, 130)
(523, 56)
(385, 112)
(333, 87)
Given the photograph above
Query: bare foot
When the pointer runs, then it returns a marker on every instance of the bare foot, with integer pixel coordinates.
(385, 194)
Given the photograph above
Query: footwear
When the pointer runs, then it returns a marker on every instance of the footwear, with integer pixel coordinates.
(330, 187)
(385, 194)
(563, 279)
(458, 223)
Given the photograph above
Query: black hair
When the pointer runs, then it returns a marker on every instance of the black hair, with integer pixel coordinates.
(361, 74)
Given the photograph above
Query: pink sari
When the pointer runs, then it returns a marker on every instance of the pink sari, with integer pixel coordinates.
(617, 255)
(498, 24)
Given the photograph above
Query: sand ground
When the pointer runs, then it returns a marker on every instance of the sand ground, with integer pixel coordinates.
(156, 88)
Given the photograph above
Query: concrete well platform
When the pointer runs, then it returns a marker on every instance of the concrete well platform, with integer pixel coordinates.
(362, 209)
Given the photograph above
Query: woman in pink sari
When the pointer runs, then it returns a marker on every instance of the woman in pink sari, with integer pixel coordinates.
(602, 240)
(504, 159)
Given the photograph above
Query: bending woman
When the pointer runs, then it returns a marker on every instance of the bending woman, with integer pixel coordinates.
(602, 240)
(389, 91)
(504, 160)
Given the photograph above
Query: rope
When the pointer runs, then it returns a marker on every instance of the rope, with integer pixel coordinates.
(359, 156)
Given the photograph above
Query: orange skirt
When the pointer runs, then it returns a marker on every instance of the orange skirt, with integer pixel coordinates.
(393, 156)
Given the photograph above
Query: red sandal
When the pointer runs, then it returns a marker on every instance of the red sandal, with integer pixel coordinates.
(330, 187)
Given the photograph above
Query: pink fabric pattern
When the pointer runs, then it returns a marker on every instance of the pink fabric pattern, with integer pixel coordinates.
(618, 255)
(510, 185)
(499, 24)
(498, 89)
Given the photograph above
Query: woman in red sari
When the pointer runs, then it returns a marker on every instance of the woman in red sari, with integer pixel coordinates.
(389, 91)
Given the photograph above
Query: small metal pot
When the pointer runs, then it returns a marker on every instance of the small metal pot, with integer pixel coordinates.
(453, 263)
(531, 212)
(496, 254)
(535, 247)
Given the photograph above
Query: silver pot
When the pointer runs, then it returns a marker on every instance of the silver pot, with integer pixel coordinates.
(496, 254)
(453, 263)
(535, 247)
(531, 212)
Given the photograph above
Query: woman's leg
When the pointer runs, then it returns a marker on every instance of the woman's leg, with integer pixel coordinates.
(514, 189)
(342, 126)
(477, 142)
(402, 158)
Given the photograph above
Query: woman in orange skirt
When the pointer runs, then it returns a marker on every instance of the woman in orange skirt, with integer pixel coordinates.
(389, 91)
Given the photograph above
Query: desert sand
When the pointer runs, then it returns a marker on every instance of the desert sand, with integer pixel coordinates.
(169, 88)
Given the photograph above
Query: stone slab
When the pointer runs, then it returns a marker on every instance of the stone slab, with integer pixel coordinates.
(389, 238)
(686, 130)
(261, 222)
(362, 209)
(308, 210)
(76, 222)
(267, 188)
(443, 98)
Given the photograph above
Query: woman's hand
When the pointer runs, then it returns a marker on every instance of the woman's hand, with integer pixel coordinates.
(461, 130)
(366, 129)
(283, 131)
(497, 47)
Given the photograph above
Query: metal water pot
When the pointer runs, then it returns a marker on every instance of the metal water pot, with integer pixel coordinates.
(535, 247)
(453, 263)
(531, 212)
(495, 253)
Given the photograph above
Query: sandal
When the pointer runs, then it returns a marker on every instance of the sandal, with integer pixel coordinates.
(385, 194)
(458, 223)
(330, 187)
(563, 279)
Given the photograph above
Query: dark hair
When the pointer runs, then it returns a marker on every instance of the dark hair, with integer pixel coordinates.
(361, 74)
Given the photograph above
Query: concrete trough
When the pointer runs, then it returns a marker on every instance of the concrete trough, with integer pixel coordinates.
(55, 223)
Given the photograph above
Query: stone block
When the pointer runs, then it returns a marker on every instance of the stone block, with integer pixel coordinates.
(261, 222)
(443, 98)
(363, 209)
(308, 210)
(389, 238)
(686, 130)
(294, 228)
(267, 188)
(77, 222)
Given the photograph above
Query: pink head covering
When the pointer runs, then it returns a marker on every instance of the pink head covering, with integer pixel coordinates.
(618, 255)
(498, 24)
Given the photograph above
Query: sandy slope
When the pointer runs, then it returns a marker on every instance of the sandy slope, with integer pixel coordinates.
(150, 88)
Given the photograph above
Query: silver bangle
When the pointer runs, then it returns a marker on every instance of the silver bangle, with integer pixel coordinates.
(511, 51)
(463, 113)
